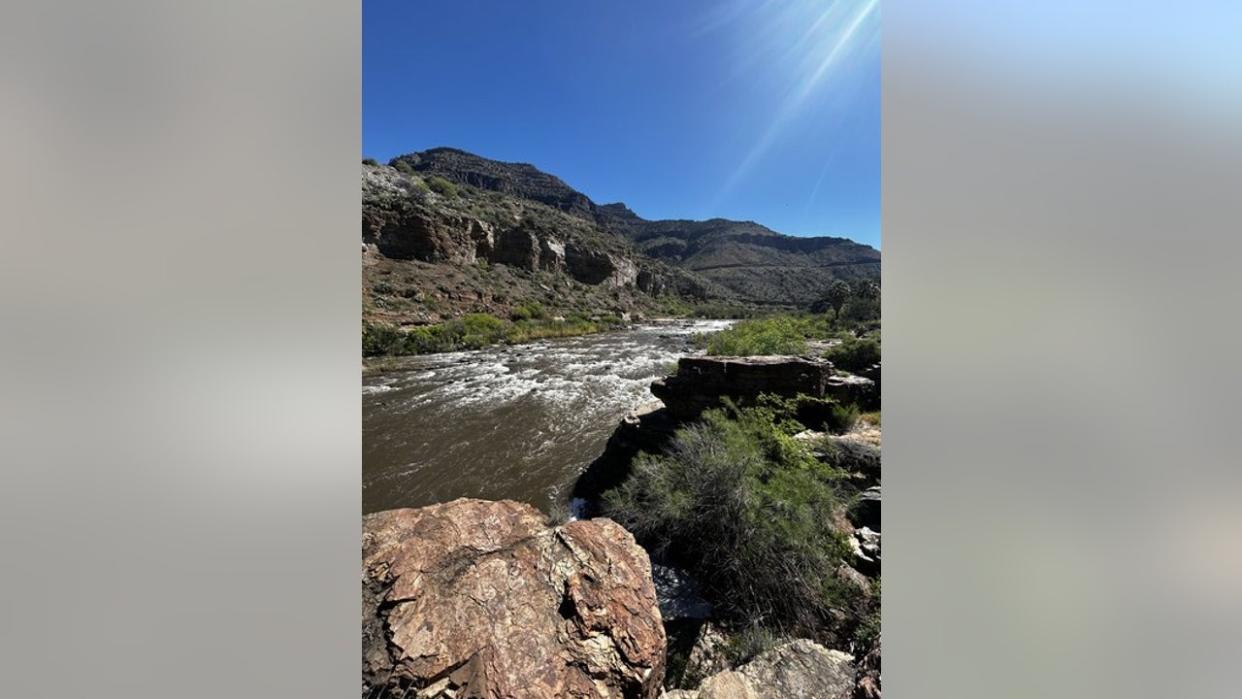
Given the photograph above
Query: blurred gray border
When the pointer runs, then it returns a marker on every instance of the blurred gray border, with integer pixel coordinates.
(1062, 498)
(179, 354)
(180, 349)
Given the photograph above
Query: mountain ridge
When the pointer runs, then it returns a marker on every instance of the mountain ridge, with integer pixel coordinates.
(739, 256)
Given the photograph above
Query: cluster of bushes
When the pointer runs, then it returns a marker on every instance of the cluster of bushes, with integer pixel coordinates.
(853, 305)
(788, 334)
(854, 353)
(529, 311)
(817, 413)
(775, 335)
(475, 330)
(471, 331)
(441, 186)
(748, 510)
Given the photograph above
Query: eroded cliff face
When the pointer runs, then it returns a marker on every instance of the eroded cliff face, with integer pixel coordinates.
(474, 598)
(404, 221)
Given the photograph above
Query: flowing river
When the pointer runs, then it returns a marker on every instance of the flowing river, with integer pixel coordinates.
(517, 422)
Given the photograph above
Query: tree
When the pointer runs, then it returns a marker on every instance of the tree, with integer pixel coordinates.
(866, 289)
(838, 294)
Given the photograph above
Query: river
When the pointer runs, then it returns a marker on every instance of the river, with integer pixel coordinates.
(518, 422)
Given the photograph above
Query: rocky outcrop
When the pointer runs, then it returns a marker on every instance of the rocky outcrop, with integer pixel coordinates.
(591, 266)
(868, 686)
(701, 382)
(648, 428)
(798, 669)
(865, 544)
(483, 599)
(518, 179)
(866, 511)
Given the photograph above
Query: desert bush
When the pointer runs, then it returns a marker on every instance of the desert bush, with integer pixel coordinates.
(747, 509)
(529, 311)
(745, 645)
(441, 186)
(816, 413)
(378, 339)
(369, 161)
(776, 335)
(858, 310)
(841, 418)
(854, 354)
(475, 330)
(403, 166)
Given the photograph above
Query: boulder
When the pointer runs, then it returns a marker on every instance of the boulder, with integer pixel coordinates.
(709, 654)
(480, 599)
(865, 545)
(866, 511)
(868, 686)
(799, 669)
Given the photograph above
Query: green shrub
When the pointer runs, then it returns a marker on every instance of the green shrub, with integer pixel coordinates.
(441, 186)
(529, 311)
(854, 354)
(403, 166)
(815, 413)
(427, 339)
(776, 335)
(747, 509)
(380, 339)
(369, 161)
(476, 330)
(745, 645)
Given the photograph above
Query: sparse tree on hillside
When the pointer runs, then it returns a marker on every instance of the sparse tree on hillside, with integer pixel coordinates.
(838, 294)
(866, 289)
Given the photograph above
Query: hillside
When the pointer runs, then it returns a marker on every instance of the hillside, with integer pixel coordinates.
(753, 261)
(446, 232)
(749, 260)
(434, 251)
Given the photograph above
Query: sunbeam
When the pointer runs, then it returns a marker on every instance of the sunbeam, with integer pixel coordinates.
(829, 35)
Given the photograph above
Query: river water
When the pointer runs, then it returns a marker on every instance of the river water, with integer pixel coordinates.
(516, 422)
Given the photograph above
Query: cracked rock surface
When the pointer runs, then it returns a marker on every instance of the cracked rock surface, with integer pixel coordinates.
(798, 669)
(474, 598)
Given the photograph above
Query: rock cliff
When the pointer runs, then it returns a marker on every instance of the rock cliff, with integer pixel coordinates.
(452, 252)
(486, 211)
(702, 382)
(483, 599)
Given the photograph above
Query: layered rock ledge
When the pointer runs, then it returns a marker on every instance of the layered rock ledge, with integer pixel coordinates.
(484, 599)
(701, 382)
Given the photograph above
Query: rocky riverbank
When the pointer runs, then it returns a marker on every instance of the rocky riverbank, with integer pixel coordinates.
(480, 599)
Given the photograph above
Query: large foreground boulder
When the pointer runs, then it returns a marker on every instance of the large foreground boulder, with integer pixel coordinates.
(798, 669)
(483, 599)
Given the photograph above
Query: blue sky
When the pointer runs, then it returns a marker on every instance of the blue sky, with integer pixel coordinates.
(759, 110)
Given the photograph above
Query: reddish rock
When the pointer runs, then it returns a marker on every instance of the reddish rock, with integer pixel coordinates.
(483, 599)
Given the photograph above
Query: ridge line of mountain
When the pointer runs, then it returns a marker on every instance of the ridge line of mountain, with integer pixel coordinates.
(446, 232)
